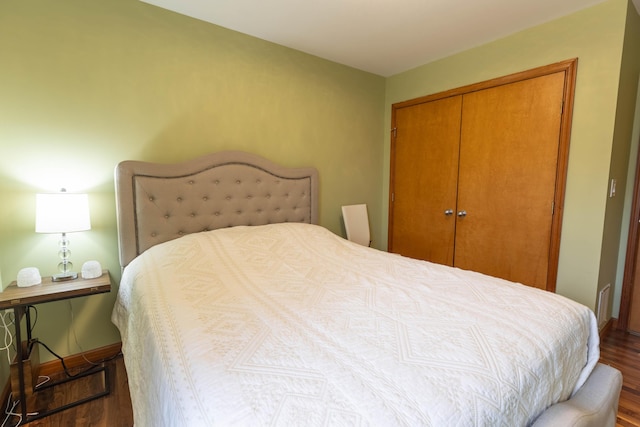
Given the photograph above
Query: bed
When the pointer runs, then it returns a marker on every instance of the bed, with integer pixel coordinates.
(236, 308)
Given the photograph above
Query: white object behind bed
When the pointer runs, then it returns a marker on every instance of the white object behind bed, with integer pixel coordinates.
(356, 224)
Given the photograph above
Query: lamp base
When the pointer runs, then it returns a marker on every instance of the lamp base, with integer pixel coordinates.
(61, 277)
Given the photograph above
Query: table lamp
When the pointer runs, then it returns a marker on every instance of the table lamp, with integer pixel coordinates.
(62, 213)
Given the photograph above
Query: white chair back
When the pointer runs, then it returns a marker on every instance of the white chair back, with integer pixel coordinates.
(356, 223)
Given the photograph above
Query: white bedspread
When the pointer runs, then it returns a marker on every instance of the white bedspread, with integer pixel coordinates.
(290, 325)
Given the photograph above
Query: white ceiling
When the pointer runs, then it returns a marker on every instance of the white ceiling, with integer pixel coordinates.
(384, 37)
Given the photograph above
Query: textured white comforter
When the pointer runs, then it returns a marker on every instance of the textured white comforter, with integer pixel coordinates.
(290, 325)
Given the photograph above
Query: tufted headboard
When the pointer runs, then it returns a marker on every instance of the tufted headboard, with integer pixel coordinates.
(160, 202)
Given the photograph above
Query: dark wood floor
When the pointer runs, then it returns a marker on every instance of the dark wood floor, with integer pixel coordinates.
(622, 351)
(618, 349)
(113, 410)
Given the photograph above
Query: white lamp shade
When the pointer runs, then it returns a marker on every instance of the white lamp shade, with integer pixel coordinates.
(62, 213)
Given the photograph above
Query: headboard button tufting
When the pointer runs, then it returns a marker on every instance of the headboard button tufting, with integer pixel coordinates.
(159, 202)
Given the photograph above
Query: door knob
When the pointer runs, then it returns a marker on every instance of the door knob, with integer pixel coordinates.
(448, 212)
(462, 214)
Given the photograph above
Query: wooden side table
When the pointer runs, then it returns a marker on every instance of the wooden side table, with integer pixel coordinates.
(19, 299)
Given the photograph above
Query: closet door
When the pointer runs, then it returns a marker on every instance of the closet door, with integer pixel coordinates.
(424, 174)
(508, 165)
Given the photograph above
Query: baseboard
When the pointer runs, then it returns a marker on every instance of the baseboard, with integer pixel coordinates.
(55, 366)
(76, 360)
(608, 327)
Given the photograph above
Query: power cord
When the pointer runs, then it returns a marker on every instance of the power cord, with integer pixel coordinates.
(9, 343)
(8, 337)
(75, 337)
(33, 323)
(61, 359)
(10, 412)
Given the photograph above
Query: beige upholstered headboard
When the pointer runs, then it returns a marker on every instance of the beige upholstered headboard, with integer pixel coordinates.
(160, 202)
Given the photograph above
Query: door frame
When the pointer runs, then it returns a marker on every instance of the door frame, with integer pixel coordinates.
(569, 67)
(633, 240)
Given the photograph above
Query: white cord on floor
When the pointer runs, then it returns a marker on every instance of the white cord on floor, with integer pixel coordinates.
(10, 412)
(44, 381)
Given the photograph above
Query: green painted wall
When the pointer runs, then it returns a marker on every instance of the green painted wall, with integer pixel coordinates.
(595, 36)
(85, 84)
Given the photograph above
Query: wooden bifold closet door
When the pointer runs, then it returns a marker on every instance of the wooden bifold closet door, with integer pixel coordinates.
(477, 176)
(426, 179)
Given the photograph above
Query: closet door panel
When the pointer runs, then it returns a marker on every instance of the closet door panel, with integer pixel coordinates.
(424, 174)
(508, 164)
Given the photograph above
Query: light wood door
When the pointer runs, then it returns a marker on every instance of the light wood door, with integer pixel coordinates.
(508, 166)
(424, 171)
(513, 145)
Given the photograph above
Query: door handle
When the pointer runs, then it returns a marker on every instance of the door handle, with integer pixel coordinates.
(462, 214)
(448, 212)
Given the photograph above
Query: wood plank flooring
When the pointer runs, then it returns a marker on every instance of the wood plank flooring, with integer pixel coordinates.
(618, 349)
(113, 410)
(622, 351)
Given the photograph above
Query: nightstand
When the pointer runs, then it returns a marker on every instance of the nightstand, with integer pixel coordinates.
(19, 299)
